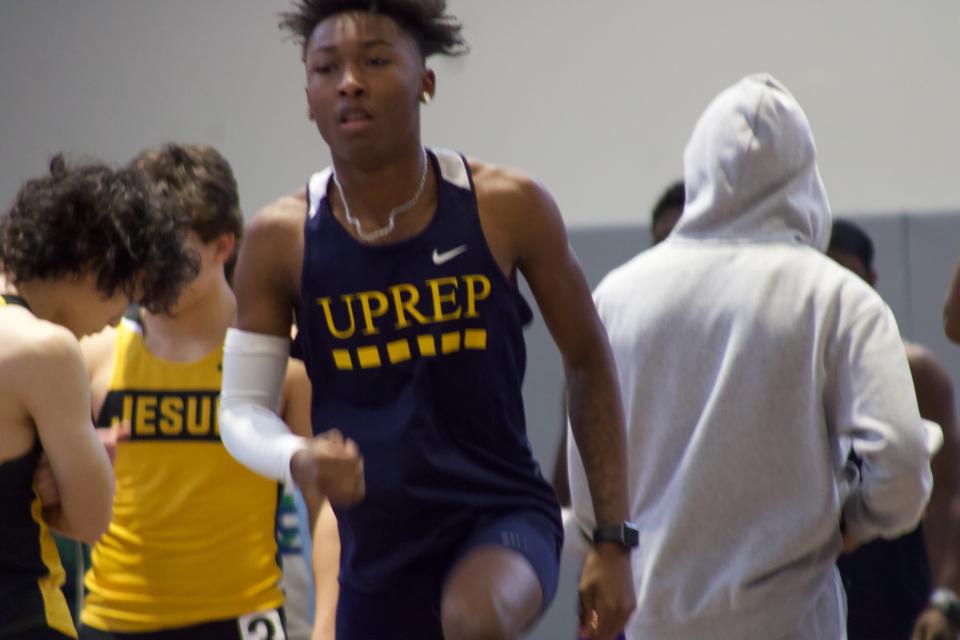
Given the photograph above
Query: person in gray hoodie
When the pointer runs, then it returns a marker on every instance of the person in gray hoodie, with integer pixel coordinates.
(751, 365)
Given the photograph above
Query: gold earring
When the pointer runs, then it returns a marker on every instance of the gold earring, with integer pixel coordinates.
(425, 97)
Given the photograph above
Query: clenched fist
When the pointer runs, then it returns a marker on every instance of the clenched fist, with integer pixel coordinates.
(331, 466)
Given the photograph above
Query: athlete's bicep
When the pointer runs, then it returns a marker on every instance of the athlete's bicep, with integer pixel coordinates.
(57, 396)
(266, 278)
(553, 272)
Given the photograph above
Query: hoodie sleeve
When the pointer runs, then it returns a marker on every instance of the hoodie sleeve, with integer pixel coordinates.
(871, 400)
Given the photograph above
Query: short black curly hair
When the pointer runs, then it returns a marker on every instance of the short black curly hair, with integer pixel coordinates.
(91, 219)
(426, 21)
(849, 237)
(197, 180)
(674, 197)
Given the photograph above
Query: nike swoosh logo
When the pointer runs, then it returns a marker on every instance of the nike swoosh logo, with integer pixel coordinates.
(447, 256)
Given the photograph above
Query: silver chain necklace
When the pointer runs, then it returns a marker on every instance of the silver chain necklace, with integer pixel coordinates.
(385, 230)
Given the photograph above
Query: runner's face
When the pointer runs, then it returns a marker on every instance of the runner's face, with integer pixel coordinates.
(364, 79)
(91, 310)
(852, 262)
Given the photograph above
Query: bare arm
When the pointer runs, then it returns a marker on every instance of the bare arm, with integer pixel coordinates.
(593, 395)
(951, 308)
(77, 459)
(326, 571)
(935, 398)
(267, 277)
(524, 228)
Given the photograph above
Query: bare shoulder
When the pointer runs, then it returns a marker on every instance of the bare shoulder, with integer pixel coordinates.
(28, 337)
(267, 276)
(36, 358)
(925, 367)
(510, 191)
(98, 349)
(36, 351)
(284, 215)
(520, 218)
(278, 224)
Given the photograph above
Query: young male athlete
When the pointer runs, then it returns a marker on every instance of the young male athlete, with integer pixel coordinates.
(889, 583)
(76, 247)
(401, 268)
(191, 549)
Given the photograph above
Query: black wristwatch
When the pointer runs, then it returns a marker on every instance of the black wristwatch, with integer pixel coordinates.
(624, 533)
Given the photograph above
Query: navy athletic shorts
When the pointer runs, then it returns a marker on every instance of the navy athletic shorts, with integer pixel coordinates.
(410, 609)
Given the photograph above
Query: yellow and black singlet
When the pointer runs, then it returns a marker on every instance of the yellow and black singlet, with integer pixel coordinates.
(192, 538)
(30, 569)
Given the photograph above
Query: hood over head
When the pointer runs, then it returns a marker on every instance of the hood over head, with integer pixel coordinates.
(750, 170)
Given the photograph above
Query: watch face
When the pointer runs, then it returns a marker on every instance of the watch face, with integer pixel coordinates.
(625, 533)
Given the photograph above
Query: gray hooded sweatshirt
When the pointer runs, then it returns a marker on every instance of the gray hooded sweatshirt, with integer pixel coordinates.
(750, 364)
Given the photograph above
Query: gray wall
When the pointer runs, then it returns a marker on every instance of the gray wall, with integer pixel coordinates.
(597, 99)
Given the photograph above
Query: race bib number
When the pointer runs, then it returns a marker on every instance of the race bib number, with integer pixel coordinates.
(264, 625)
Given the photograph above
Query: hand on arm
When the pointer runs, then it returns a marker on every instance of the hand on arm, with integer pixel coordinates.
(46, 485)
(112, 436)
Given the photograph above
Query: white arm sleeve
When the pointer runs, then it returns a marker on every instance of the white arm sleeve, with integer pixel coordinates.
(254, 365)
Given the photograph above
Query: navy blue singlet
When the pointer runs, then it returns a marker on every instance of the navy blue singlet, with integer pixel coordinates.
(888, 585)
(415, 351)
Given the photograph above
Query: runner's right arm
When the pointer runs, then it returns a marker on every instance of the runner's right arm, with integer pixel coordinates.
(266, 283)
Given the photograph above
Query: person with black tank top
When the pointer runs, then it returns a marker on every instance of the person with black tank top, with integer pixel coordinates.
(401, 266)
(76, 247)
